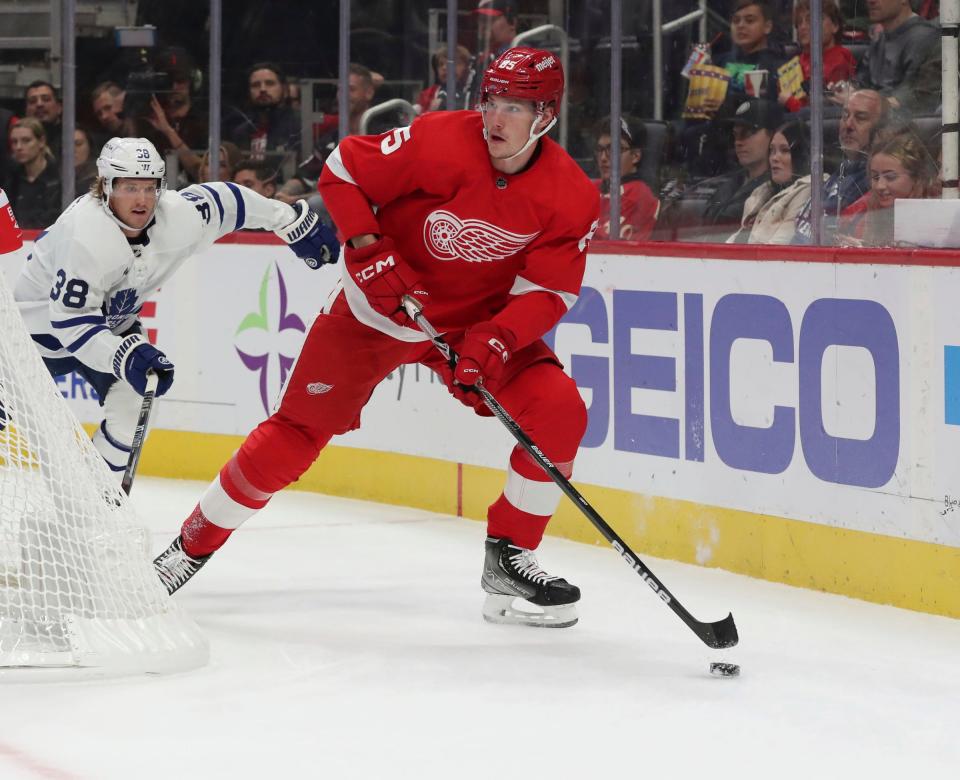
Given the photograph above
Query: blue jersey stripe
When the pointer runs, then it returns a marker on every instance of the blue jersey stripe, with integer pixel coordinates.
(87, 335)
(87, 319)
(241, 208)
(48, 341)
(216, 198)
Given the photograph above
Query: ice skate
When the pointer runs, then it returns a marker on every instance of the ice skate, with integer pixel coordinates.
(511, 573)
(174, 567)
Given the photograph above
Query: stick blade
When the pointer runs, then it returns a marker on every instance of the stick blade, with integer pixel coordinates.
(721, 634)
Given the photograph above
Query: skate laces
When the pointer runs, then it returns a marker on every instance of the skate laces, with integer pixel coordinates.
(177, 566)
(527, 566)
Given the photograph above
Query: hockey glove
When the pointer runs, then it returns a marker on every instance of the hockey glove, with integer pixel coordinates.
(485, 350)
(135, 357)
(384, 278)
(309, 238)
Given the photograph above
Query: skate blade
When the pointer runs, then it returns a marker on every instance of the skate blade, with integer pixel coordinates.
(500, 609)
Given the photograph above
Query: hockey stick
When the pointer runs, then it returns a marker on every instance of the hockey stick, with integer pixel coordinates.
(722, 633)
(140, 432)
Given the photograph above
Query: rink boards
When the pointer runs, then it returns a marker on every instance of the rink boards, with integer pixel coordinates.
(786, 415)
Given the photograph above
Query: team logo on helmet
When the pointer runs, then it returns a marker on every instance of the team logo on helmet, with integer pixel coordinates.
(450, 238)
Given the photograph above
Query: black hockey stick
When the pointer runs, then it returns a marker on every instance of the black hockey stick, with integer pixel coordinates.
(140, 433)
(722, 633)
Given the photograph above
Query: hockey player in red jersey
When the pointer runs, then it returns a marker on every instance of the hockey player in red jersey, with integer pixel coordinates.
(485, 222)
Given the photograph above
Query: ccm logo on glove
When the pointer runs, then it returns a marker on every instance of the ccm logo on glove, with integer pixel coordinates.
(373, 269)
(485, 351)
(384, 278)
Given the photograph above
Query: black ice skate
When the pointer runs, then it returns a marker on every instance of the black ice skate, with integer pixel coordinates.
(511, 572)
(174, 567)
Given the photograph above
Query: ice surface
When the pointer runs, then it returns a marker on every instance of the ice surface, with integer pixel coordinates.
(347, 642)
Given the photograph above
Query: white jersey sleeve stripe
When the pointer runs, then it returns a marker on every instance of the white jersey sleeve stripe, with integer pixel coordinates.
(216, 199)
(522, 286)
(241, 207)
(337, 168)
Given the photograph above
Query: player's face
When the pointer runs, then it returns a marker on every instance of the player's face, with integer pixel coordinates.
(507, 122)
(134, 201)
(265, 88)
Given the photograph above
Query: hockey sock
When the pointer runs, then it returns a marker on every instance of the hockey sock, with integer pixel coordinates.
(228, 502)
(527, 503)
(114, 438)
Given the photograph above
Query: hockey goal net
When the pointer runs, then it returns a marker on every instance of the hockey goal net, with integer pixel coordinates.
(77, 588)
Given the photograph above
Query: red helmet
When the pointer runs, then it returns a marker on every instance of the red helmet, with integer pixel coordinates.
(525, 74)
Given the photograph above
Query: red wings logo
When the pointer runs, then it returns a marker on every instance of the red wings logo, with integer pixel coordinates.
(450, 238)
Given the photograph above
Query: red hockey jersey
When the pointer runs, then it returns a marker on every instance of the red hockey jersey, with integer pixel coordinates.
(11, 238)
(485, 244)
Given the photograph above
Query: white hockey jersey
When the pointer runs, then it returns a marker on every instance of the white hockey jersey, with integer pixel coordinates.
(85, 281)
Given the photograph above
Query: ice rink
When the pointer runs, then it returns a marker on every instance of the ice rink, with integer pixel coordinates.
(347, 642)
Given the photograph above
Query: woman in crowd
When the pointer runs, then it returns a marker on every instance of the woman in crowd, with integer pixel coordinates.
(839, 64)
(900, 166)
(770, 211)
(434, 97)
(85, 163)
(34, 189)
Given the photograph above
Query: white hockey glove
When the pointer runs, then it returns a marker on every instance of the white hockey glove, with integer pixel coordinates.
(309, 238)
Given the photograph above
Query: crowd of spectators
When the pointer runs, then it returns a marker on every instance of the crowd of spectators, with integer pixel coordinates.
(733, 166)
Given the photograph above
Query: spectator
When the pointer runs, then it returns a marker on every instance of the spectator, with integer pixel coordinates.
(900, 167)
(752, 126)
(84, 161)
(839, 64)
(293, 95)
(267, 123)
(705, 145)
(361, 89)
(257, 175)
(107, 103)
(35, 183)
(639, 207)
(750, 28)
(434, 97)
(229, 159)
(179, 128)
(43, 104)
(8, 121)
(864, 113)
(903, 63)
(496, 29)
(770, 213)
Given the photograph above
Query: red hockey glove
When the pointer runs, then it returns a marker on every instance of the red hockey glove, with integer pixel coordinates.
(384, 278)
(485, 350)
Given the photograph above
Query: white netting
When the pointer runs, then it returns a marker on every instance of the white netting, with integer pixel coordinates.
(77, 588)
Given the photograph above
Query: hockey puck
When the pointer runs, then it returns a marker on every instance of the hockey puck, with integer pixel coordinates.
(724, 670)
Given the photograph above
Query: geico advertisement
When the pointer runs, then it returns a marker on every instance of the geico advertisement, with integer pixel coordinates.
(804, 390)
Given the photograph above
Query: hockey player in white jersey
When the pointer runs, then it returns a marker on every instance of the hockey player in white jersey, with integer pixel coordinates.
(90, 273)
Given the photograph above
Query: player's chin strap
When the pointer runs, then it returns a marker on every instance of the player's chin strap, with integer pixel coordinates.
(534, 137)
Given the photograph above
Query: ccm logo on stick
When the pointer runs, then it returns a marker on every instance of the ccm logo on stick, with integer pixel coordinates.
(374, 269)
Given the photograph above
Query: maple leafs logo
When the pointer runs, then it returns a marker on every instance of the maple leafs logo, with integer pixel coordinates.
(122, 305)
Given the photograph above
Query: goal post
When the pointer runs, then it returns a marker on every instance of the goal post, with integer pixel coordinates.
(77, 587)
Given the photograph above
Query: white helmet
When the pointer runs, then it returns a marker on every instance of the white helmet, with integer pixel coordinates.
(129, 158)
